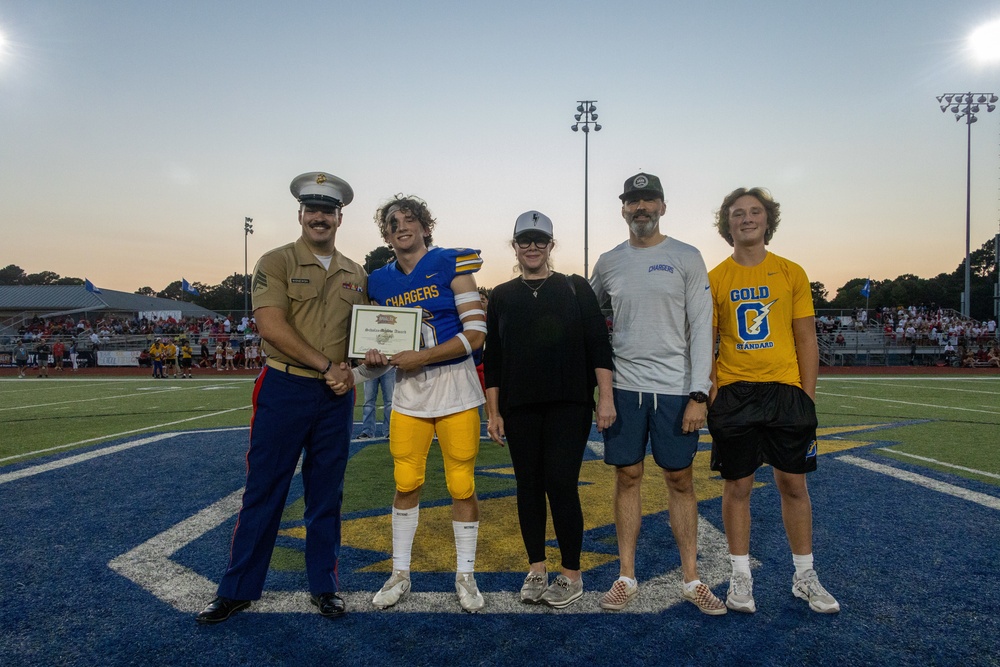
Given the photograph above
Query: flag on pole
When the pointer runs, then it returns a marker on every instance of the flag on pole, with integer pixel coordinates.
(91, 287)
(186, 287)
(866, 291)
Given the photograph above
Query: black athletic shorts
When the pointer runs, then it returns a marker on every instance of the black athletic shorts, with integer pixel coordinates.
(753, 423)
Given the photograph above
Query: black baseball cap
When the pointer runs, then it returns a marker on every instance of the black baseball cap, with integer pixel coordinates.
(642, 186)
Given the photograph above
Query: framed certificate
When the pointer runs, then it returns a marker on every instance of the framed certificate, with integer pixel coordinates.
(389, 330)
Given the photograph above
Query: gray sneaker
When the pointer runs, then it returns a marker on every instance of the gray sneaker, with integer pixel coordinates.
(808, 588)
(393, 590)
(563, 592)
(468, 592)
(740, 595)
(533, 587)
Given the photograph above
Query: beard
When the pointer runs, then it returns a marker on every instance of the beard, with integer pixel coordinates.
(644, 228)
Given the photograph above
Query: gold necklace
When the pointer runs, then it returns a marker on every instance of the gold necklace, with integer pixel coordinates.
(534, 290)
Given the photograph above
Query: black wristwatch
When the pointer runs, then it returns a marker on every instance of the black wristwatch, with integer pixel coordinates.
(699, 396)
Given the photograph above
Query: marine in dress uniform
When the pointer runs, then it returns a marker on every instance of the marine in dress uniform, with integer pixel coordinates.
(303, 295)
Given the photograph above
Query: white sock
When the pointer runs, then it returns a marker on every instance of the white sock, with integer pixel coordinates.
(690, 585)
(404, 527)
(466, 539)
(741, 564)
(802, 563)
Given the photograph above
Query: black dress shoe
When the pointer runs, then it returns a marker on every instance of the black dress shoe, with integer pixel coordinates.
(220, 609)
(330, 604)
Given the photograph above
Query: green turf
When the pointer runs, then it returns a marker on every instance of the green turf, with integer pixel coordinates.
(958, 419)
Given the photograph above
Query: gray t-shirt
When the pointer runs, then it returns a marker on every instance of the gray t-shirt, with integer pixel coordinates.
(662, 316)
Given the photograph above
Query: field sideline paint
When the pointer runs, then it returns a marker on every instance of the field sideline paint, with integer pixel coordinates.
(983, 499)
(942, 463)
(117, 435)
(910, 403)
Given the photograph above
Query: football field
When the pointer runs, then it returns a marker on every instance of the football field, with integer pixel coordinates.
(119, 497)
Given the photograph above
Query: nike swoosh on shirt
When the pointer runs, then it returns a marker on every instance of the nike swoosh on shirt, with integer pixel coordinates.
(430, 275)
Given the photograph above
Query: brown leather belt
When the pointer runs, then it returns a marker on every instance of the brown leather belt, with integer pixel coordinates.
(295, 370)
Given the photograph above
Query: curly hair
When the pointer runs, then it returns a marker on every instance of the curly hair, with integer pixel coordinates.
(415, 206)
(771, 207)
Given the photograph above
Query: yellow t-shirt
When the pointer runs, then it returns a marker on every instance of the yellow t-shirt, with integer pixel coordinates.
(754, 309)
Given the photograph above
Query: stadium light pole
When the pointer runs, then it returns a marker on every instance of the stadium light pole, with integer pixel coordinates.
(967, 105)
(585, 116)
(247, 231)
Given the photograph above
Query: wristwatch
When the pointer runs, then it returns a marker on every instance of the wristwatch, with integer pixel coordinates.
(699, 396)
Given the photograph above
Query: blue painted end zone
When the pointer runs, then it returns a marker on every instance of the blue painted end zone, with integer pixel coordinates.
(915, 572)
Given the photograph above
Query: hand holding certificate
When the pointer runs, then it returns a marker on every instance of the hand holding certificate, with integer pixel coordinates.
(389, 330)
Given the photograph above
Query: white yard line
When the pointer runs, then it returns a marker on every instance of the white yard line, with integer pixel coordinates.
(942, 463)
(88, 400)
(983, 499)
(917, 386)
(110, 436)
(910, 403)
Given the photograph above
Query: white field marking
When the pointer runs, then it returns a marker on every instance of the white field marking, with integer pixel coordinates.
(983, 499)
(910, 403)
(596, 446)
(52, 386)
(149, 391)
(942, 463)
(916, 386)
(114, 449)
(909, 378)
(118, 435)
(150, 566)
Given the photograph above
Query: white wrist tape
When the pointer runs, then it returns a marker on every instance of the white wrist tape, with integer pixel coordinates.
(465, 342)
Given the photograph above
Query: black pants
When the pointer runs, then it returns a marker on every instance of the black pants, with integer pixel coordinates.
(546, 444)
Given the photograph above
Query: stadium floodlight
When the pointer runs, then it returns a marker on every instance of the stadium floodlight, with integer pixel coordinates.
(247, 231)
(966, 106)
(586, 117)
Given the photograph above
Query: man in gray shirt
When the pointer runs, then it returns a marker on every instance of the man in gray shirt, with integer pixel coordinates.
(659, 292)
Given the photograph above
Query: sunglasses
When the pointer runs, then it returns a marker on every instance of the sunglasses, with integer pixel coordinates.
(540, 242)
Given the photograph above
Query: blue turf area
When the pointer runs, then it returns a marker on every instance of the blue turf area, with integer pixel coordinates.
(914, 569)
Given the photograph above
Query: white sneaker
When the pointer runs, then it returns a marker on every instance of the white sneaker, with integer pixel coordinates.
(740, 595)
(808, 588)
(468, 592)
(393, 590)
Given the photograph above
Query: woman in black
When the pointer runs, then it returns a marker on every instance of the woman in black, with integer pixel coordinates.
(546, 349)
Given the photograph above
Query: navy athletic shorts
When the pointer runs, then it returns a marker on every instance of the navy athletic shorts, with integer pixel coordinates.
(654, 418)
(753, 423)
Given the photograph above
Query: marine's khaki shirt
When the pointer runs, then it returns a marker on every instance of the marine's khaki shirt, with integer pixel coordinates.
(317, 303)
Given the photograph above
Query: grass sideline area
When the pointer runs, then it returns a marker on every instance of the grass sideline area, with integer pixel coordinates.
(98, 474)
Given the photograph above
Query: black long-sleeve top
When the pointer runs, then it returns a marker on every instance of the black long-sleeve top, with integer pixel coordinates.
(545, 348)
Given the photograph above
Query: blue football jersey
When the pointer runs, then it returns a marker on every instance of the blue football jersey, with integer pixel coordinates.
(429, 287)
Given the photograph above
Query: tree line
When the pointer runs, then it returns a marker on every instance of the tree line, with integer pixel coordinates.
(944, 289)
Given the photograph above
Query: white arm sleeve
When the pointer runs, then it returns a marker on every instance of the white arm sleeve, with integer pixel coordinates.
(364, 373)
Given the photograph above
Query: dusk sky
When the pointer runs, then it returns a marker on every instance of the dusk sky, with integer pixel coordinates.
(135, 137)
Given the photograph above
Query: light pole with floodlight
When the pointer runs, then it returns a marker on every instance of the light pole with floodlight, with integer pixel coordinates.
(586, 116)
(966, 105)
(247, 231)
